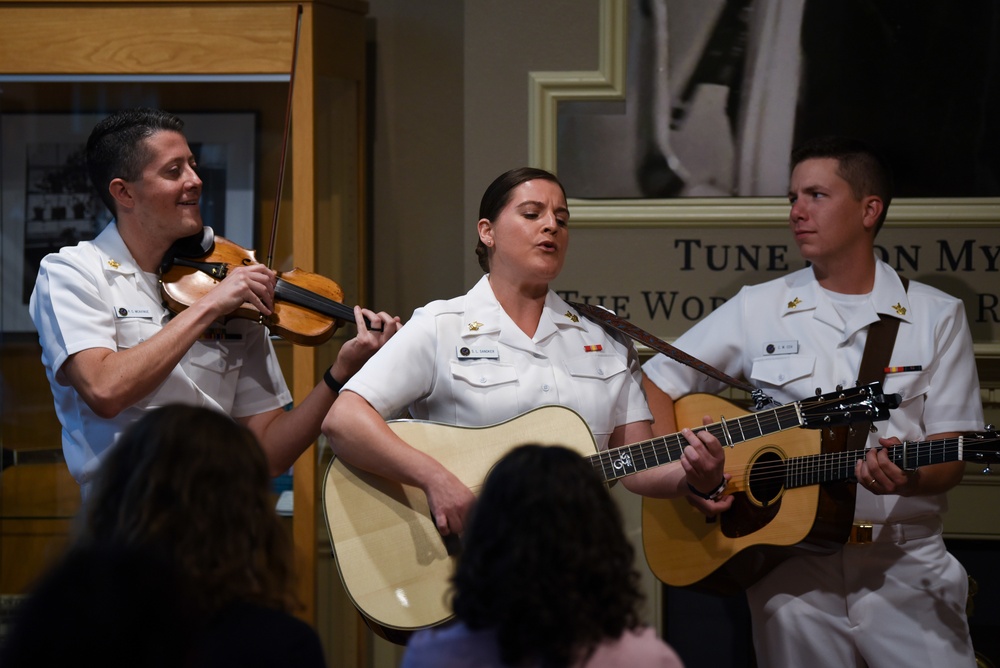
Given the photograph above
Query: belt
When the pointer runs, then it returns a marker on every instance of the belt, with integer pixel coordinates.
(863, 533)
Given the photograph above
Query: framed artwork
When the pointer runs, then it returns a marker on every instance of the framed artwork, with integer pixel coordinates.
(47, 201)
(684, 206)
(718, 92)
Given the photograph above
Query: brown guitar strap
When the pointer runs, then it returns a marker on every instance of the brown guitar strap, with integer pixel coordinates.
(835, 511)
(761, 400)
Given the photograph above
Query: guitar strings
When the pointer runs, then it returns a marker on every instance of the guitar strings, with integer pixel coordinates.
(821, 467)
(828, 467)
(625, 460)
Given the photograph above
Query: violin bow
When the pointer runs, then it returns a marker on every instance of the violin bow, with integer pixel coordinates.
(284, 150)
(284, 140)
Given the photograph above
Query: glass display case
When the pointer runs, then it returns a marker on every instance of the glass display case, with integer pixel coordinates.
(225, 68)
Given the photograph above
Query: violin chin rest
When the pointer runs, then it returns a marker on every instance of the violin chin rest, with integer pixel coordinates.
(207, 238)
(196, 245)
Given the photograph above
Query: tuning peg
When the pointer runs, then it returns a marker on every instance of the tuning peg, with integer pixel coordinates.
(989, 427)
(872, 429)
(819, 391)
(987, 470)
(840, 388)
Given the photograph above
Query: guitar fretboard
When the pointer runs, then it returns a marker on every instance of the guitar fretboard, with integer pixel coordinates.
(836, 466)
(629, 459)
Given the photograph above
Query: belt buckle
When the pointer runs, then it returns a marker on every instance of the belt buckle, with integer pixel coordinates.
(861, 534)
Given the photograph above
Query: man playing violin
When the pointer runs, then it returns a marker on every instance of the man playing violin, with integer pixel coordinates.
(111, 349)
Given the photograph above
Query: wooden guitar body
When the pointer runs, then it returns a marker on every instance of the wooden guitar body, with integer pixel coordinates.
(792, 494)
(768, 521)
(394, 564)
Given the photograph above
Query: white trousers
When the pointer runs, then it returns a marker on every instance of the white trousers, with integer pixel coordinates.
(881, 605)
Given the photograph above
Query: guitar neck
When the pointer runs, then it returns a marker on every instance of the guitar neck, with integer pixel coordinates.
(628, 459)
(836, 466)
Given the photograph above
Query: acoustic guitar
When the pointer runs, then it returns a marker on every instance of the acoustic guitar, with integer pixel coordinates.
(776, 485)
(394, 564)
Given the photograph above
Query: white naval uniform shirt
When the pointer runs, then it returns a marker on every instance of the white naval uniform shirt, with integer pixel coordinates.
(465, 362)
(93, 295)
(788, 338)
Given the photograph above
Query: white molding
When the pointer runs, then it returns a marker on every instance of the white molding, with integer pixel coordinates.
(546, 89)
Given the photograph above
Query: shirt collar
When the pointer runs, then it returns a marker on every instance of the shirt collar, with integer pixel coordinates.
(115, 255)
(484, 315)
(888, 297)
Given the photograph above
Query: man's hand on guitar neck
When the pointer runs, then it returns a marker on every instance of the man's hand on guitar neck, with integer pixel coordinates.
(879, 475)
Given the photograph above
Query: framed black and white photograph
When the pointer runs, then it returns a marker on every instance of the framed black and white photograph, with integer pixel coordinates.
(718, 92)
(47, 201)
(675, 152)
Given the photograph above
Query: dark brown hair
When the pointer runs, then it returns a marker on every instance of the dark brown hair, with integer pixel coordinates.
(116, 148)
(545, 560)
(192, 483)
(865, 171)
(497, 196)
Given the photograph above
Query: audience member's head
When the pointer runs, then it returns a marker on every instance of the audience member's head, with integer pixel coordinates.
(192, 483)
(120, 606)
(545, 560)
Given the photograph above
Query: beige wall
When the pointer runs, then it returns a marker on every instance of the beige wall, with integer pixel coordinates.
(416, 118)
(450, 114)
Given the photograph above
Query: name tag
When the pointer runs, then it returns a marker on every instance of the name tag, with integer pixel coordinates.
(133, 312)
(781, 348)
(476, 353)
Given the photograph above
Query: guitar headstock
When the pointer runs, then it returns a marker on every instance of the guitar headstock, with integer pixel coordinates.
(864, 403)
(982, 447)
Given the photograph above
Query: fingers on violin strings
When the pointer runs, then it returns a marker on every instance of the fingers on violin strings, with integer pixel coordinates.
(381, 320)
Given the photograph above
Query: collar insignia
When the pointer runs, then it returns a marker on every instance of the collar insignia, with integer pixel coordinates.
(572, 317)
(475, 325)
(113, 264)
(794, 303)
(899, 309)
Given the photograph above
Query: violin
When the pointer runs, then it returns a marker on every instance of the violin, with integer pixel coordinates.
(308, 308)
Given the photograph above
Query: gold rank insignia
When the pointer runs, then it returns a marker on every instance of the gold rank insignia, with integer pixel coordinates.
(899, 309)
(475, 325)
(571, 316)
(794, 303)
(113, 264)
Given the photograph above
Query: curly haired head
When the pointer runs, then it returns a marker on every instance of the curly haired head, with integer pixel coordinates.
(193, 484)
(545, 560)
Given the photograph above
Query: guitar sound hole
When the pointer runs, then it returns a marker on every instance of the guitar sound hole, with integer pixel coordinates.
(767, 477)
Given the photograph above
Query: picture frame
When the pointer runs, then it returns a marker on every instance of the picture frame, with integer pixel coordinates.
(47, 202)
(634, 240)
(708, 99)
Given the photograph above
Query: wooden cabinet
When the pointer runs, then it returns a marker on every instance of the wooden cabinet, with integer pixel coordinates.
(193, 56)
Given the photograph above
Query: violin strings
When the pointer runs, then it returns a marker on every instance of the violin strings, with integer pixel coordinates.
(308, 299)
